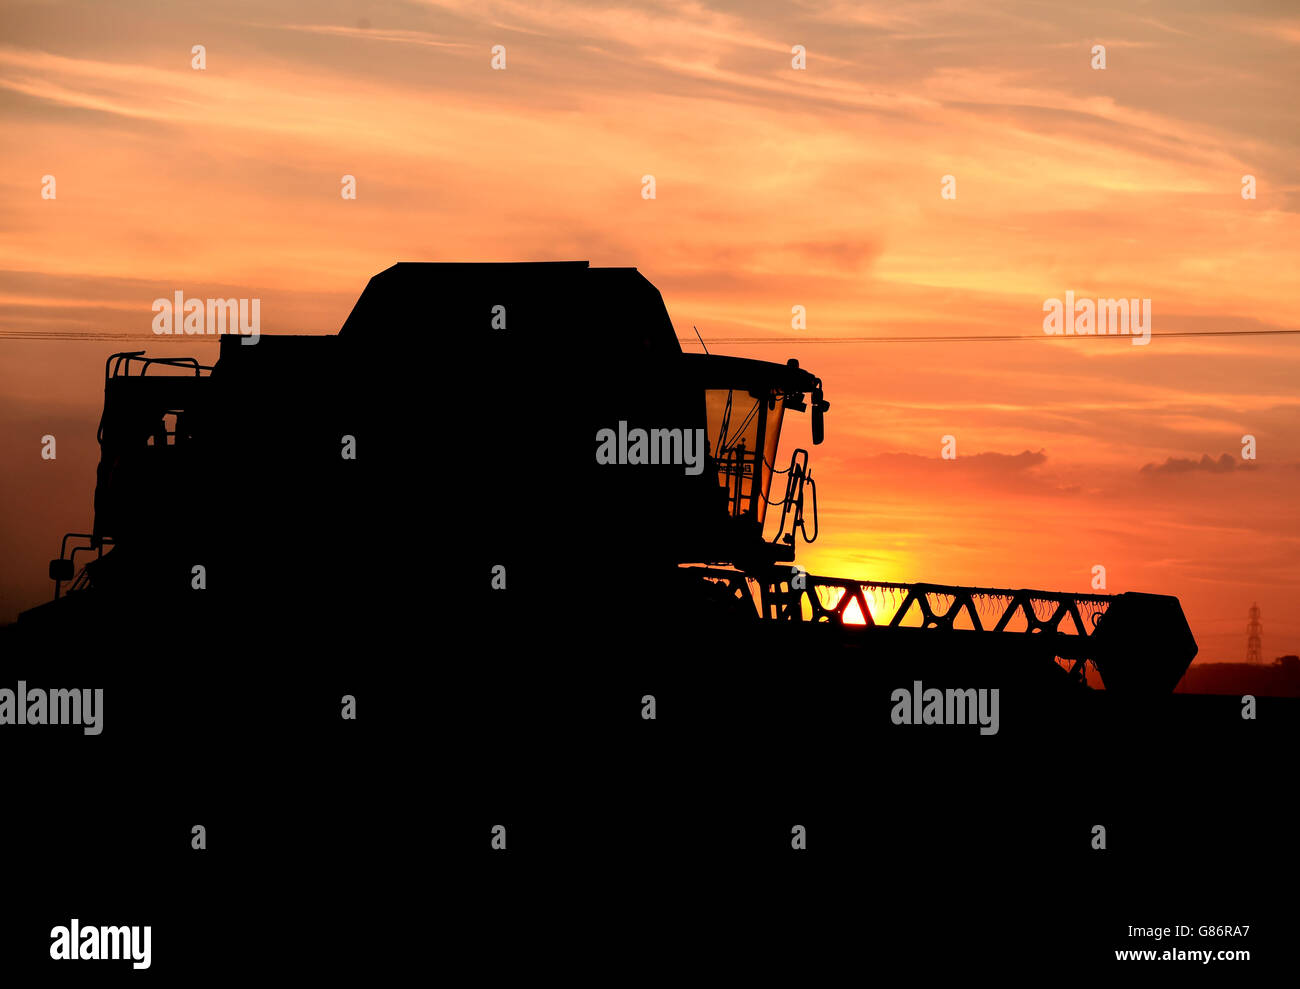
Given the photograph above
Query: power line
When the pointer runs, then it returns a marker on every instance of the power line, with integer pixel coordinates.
(76, 335)
(995, 338)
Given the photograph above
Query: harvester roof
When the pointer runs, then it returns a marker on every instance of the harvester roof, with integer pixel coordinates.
(569, 302)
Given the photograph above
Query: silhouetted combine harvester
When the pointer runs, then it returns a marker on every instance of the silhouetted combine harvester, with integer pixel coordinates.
(540, 418)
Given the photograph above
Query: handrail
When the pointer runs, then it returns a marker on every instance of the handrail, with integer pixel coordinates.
(114, 365)
(96, 543)
(119, 366)
(798, 475)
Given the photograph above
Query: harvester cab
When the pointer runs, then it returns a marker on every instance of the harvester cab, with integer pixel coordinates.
(745, 402)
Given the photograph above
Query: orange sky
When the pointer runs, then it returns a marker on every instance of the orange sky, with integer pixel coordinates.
(775, 188)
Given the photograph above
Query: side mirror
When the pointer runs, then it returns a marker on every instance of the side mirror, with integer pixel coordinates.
(819, 407)
(61, 570)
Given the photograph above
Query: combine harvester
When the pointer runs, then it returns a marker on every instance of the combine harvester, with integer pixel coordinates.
(512, 448)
